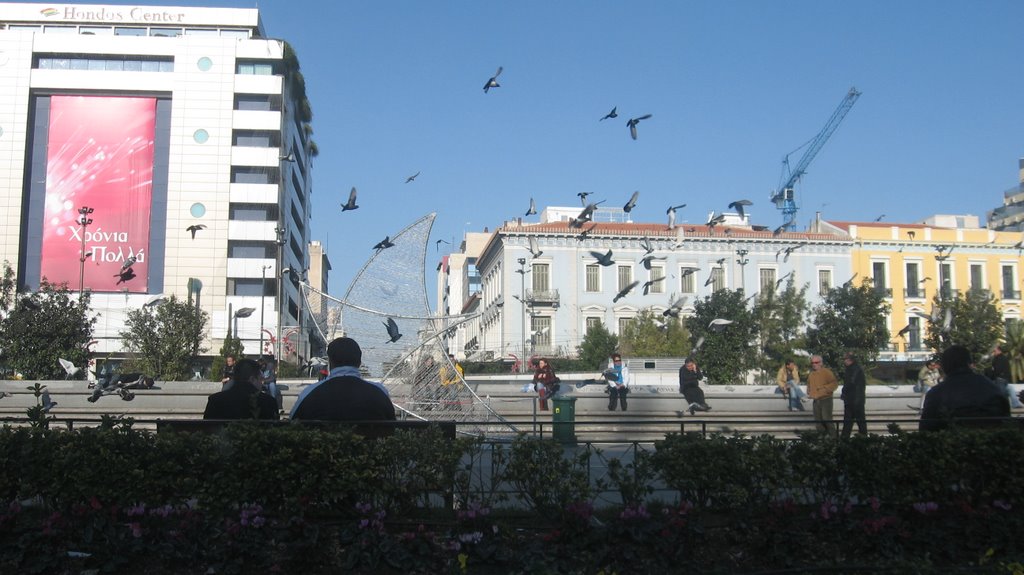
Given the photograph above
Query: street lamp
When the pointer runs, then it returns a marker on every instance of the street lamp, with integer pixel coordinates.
(263, 297)
(279, 231)
(243, 313)
(522, 271)
(83, 220)
(741, 258)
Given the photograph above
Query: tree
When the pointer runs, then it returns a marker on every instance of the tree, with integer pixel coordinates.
(849, 319)
(651, 335)
(727, 351)
(1014, 347)
(39, 328)
(597, 346)
(975, 322)
(166, 339)
(780, 320)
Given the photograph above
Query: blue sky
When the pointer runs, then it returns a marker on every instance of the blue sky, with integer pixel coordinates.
(396, 88)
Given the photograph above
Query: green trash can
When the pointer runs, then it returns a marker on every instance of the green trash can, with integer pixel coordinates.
(563, 418)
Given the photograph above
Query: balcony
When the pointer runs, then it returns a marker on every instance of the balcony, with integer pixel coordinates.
(1010, 294)
(914, 293)
(543, 297)
(884, 291)
(948, 293)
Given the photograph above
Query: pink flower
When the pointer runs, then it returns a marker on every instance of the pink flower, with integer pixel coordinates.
(875, 503)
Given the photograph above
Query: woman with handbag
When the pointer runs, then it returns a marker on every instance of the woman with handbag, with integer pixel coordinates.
(545, 382)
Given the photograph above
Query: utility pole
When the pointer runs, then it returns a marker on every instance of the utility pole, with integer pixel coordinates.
(83, 220)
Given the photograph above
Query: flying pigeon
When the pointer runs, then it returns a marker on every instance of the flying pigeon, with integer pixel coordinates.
(947, 320)
(533, 208)
(125, 276)
(351, 203)
(160, 300)
(674, 309)
(585, 233)
(535, 251)
(779, 281)
(911, 234)
(687, 270)
(646, 261)
(625, 291)
(613, 114)
(493, 81)
(393, 333)
(649, 283)
(46, 402)
(879, 218)
(719, 324)
(779, 230)
(585, 216)
(631, 203)
(128, 263)
(289, 157)
(671, 212)
(646, 245)
(603, 259)
(583, 197)
(700, 342)
(437, 244)
(633, 122)
(412, 177)
(738, 205)
(195, 228)
(68, 367)
(384, 244)
(787, 251)
(714, 220)
(904, 331)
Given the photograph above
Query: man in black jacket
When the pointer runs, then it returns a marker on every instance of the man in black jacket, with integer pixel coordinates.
(243, 399)
(344, 395)
(689, 385)
(965, 396)
(853, 396)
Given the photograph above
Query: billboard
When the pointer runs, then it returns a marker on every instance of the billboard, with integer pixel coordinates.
(100, 155)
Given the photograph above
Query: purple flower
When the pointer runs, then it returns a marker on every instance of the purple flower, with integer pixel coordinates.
(1002, 504)
(926, 507)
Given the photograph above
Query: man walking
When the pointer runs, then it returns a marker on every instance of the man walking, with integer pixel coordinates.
(853, 396)
(821, 384)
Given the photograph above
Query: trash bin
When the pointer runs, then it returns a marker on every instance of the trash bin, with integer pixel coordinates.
(563, 417)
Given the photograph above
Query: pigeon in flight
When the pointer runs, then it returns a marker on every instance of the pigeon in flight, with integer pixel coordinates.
(632, 122)
(671, 213)
(677, 306)
(128, 263)
(412, 177)
(911, 234)
(585, 216)
(289, 157)
(45, 401)
(603, 259)
(613, 114)
(879, 218)
(738, 205)
(625, 291)
(351, 203)
(533, 208)
(493, 81)
(779, 230)
(437, 244)
(535, 250)
(384, 244)
(687, 270)
(583, 197)
(785, 252)
(585, 233)
(779, 281)
(649, 283)
(125, 276)
(631, 203)
(646, 261)
(718, 324)
(195, 228)
(69, 367)
(393, 333)
(714, 220)
(904, 331)
(159, 300)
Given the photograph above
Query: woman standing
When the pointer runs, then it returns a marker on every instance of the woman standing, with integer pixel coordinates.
(545, 382)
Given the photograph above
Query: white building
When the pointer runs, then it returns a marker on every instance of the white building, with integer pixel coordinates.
(559, 292)
(186, 132)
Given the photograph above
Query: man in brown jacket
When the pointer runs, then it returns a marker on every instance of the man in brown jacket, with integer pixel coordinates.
(821, 384)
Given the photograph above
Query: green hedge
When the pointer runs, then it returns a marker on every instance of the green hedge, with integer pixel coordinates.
(294, 499)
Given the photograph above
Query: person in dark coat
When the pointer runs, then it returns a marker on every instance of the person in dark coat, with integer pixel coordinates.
(344, 395)
(1001, 375)
(853, 396)
(689, 385)
(243, 399)
(968, 398)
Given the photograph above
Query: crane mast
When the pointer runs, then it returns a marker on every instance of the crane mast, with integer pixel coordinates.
(783, 197)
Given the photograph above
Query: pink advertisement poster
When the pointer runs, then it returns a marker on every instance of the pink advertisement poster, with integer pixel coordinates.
(99, 155)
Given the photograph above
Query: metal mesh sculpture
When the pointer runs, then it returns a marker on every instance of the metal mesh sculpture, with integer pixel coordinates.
(414, 366)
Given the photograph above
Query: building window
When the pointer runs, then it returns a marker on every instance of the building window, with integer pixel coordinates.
(625, 277)
(540, 334)
(717, 279)
(251, 287)
(657, 278)
(1009, 285)
(253, 212)
(624, 323)
(686, 283)
(258, 102)
(977, 277)
(112, 63)
(824, 281)
(250, 249)
(541, 277)
(253, 175)
(767, 279)
(593, 279)
(256, 139)
(254, 68)
(593, 322)
(946, 280)
(880, 278)
(913, 273)
(914, 335)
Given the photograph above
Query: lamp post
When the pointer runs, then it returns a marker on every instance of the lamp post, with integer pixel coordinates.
(741, 258)
(522, 271)
(279, 231)
(83, 220)
(243, 313)
(263, 297)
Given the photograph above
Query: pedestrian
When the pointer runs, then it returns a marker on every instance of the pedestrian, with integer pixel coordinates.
(268, 375)
(451, 374)
(967, 398)
(243, 399)
(618, 378)
(927, 378)
(545, 382)
(689, 385)
(228, 372)
(788, 380)
(1001, 375)
(821, 384)
(344, 395)
(854, 395)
